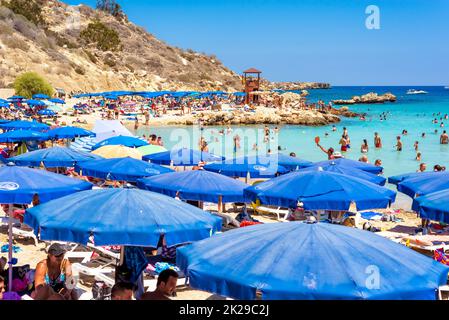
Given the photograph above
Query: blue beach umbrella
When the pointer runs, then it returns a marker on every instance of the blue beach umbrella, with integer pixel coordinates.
(70, 133)
(18, 185)
(16, 98)
(434, 206)
(121, 169)
(46, 112)
(347, 171)
(41, 96)
(130, 142)
(254, 166)
(58, 101)
(24, 125)
(54, 157)
(35, 103)
(182, 157)
(291, 163)
(23, 135)
(352, 164)
(321, 190)
(196, 185)
(4, 104)
(300, 261)
(424, 183)
(128, 217)
(399, 178)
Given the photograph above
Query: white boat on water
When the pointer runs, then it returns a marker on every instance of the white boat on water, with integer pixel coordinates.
(413, 91)
(446, 87)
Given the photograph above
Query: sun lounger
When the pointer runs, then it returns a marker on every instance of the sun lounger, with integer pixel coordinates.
(25, 234)
(273, 211)
(100, 273)
(442, 289)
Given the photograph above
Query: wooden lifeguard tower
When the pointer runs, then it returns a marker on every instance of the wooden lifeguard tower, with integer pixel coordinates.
(251, 81)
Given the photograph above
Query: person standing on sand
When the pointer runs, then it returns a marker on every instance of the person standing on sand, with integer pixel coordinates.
(147, 117)
(444, 139)
(377, 141)
(136, 124)
(398, 144)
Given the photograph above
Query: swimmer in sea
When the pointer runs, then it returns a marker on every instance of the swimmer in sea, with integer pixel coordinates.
(418, 157)
(377, 141)
(416, 145)
(398, 144)
(444, 139)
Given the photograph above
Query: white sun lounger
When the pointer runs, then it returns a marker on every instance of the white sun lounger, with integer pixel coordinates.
(441, 290)
(276, 211)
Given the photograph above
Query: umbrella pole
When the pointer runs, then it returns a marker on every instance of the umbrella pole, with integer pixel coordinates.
(10, 249)
(122, 255)
(220, 204)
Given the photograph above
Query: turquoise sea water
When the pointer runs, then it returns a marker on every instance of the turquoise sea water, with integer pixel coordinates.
(413, 113)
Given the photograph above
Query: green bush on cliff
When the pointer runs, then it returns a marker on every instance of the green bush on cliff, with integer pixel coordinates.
(31, 83)
(105, 38)
(30, 9)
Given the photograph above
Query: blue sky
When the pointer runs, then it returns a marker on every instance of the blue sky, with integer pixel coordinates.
(308, 40)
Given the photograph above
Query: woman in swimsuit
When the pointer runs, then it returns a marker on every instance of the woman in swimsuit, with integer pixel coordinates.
(55, 271)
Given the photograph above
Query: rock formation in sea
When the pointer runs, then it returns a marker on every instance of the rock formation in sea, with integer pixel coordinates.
(369, 98)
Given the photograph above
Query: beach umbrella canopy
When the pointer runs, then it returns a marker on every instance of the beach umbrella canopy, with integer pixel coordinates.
(424, 183)
(46, 112)
(182, 157)
(196, 185)
(23, 135)
(352, 164)
(24, 125)
(434, 206)
(126, 141)
(399, 178)
(19, 184)
(35, 103)
(56, 100)
(151, 149)
(321, 190)
(4, 104)
(54, 157)
(40, 96)
(255, 166)
(112, 152)
(120, 169)
(16, 98)
(348, 171)
(300, 261)
(70, 133)
(291, 163)
(128, 217)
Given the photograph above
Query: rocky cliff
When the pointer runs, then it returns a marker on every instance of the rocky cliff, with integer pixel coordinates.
(59, 49)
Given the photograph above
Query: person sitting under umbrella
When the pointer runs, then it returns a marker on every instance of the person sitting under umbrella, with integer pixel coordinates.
(55, 271)
(166, 286)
